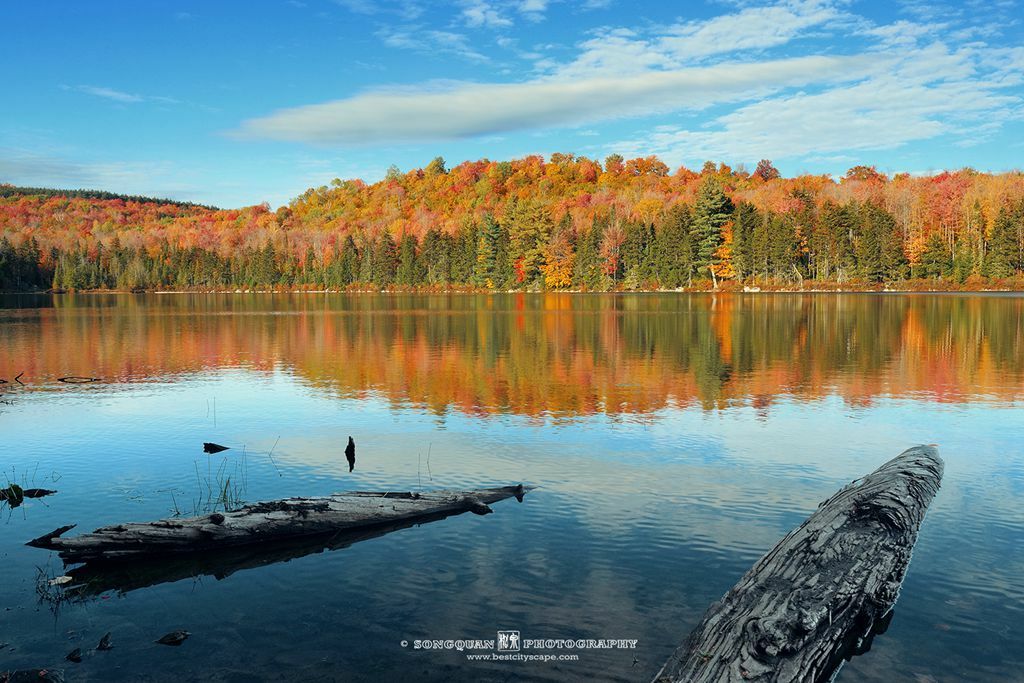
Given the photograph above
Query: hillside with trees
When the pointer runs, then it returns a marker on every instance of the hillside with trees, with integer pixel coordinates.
(564, 223)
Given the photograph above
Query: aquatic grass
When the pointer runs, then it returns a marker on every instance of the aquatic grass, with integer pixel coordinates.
(222, 489)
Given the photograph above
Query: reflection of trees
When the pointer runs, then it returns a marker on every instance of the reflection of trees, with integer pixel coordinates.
(558, 354)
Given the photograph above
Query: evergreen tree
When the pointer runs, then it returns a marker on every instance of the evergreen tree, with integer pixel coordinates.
(936, 259)
(529, 228)
(635, 256)
(486, 252)
(761, 245)
(8, 266)
(385, 261)
(879, 250)
(587, 270)
(782, 246)
(345, 266)
(410, 271)
(310, 274)
(1003, 251)
(674, 258)
(744, 220)
(711, 211)
(504, 274)
(367, 256)
(835, 256)
(464, 255)
(436, 255)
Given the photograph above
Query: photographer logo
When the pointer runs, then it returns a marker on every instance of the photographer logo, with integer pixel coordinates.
(508, 641)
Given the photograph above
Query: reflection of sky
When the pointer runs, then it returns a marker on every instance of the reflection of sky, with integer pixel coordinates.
(639, 523)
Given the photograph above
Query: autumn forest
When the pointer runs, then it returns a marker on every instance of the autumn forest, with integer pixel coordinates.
(534, 224)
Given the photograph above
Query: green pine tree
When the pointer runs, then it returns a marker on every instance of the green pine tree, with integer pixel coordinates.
(711, 211)
(936, 259)
(674, 257)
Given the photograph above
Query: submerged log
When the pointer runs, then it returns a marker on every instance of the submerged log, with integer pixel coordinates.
(96, 577)
(818, 596)
(266, 522)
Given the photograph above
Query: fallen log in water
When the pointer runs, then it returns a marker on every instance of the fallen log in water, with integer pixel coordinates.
(96, 577)
(816, 598)
(265, 522)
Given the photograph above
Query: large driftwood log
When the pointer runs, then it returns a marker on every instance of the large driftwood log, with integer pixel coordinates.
(96, 577)
(262, 522)
(817, 597)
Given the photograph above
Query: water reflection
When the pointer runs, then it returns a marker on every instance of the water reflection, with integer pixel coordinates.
(557, 355)
(676, 438)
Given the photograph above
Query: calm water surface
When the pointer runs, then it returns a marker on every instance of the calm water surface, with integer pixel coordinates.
(675, 439)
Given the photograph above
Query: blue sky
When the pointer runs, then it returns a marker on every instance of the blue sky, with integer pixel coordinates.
(234, 103)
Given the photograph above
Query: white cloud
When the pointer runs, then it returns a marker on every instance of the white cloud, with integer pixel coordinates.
(468, 110)
(753, 29)
(915, 94)
(533, 5)
(884, 85)
(482, 14)
(533, 9)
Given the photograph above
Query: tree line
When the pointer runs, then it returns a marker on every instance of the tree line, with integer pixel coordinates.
(8, 190)
(712, 241)
(570, 223)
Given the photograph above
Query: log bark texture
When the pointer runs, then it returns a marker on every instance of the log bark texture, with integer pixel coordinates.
(263, 522)
(96, 577)
(820, 594)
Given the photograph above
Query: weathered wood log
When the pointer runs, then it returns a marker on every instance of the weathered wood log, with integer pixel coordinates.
(96, 577)
(262, 522)
(815, 599)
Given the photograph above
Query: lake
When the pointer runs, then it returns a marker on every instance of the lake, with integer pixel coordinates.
(675, 438)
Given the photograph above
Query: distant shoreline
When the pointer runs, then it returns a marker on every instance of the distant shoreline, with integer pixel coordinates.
(915, 287)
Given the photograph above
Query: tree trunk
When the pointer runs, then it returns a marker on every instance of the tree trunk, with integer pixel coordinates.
(262, 522)
(819, 595)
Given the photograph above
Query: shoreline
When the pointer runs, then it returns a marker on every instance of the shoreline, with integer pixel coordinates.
(1019, 289)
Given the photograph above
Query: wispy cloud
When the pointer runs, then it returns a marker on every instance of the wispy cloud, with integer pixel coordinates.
(916, 93)
(467, 109)
(408, 10)
(109, 93)
(119, 95)
(430, 42)
(746, 32)
(884, 85)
